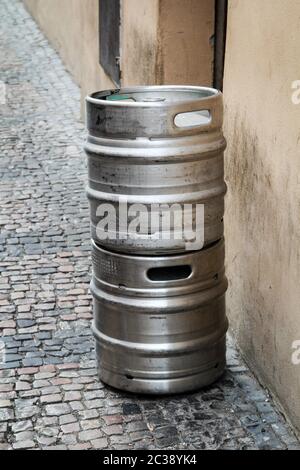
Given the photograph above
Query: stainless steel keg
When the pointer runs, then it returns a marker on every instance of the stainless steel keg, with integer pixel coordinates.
(160, 322)
(155, 146)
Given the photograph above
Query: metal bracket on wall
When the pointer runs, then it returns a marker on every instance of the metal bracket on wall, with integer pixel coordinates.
(109, 36)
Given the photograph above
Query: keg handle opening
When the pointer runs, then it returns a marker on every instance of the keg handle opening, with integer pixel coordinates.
(192, 119)
(170, 273)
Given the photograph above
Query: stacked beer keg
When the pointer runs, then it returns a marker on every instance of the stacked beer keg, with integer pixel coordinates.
(155, 162)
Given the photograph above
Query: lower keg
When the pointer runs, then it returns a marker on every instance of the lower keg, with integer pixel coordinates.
(159, 322)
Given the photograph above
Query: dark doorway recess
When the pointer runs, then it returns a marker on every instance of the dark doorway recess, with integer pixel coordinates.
(109, 27)
(221, 10)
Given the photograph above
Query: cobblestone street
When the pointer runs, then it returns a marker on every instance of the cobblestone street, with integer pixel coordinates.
(50, 396)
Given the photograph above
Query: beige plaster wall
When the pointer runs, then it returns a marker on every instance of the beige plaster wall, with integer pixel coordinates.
(167, 42)
(139, 42)
(72, 27)
(162, 41)
(186, 30)
(263, 205)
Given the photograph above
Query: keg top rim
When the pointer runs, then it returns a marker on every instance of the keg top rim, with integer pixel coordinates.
(200, 93)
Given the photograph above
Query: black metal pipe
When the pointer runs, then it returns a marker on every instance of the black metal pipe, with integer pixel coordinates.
(221, 8)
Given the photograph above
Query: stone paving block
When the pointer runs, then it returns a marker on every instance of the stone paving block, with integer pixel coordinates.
(81, 446)
(57, 409)
(21, 426)
(5, 404)
(113, 419)
(112, 430)
(24, 436)
(90, 435)
(70, 428)
(72, 396)
(6, 414)
(99, 444)
(51, 399)
(24, 445)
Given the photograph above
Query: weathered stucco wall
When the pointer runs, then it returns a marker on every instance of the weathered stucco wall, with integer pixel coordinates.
(263, 205)
(186, 30)
(72, 27)
(139, 42)
(162, 41)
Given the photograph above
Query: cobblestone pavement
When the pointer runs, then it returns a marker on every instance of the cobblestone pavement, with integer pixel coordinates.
(50, 396)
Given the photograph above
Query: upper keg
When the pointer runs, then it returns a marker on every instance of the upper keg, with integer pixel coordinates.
(160, 322)
(150, 150)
